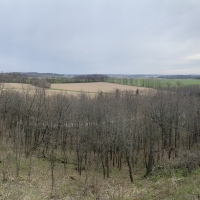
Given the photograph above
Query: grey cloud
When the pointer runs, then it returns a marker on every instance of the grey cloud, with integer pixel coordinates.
(77, 36)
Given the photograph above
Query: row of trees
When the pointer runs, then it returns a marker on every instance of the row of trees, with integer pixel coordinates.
(79, 79)
(144, 82)
(119, 130)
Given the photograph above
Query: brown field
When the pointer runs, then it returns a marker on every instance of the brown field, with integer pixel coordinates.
(76, 88)
(95, 87)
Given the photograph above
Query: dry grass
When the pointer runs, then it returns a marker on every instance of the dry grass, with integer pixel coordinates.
(91, 185)
(68, 185)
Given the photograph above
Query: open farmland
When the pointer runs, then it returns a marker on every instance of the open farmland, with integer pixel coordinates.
(76, 88)
(94, 87)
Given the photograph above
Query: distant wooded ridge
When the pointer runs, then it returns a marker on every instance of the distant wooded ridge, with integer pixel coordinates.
(45, 80)
(37, 74)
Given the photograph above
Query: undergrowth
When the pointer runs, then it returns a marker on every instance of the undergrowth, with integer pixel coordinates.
(164, 183)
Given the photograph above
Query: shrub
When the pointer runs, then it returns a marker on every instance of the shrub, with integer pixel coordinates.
(190, 161)
(39, 82)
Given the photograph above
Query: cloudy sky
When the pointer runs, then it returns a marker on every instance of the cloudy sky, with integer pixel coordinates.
(100, 36)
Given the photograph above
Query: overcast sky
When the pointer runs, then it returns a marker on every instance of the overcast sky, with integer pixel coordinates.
(100, 36)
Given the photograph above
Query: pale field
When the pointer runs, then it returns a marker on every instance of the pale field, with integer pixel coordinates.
(76, 88)
(96, 87)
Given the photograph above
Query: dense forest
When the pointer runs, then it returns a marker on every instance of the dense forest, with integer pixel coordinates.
(119, 130)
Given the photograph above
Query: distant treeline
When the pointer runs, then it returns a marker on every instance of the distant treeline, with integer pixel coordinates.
(148, 82)
(45, 81)
(13, 78)
(156, 83)
(22, 78)
(40, 75)
(79, 79)
(180, 76)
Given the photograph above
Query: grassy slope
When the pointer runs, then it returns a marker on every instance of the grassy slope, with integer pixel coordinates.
(164, 184)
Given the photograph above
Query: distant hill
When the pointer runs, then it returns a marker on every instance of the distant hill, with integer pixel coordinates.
(92, 77)
(38, 75)
(180, 76)
(100, 77)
